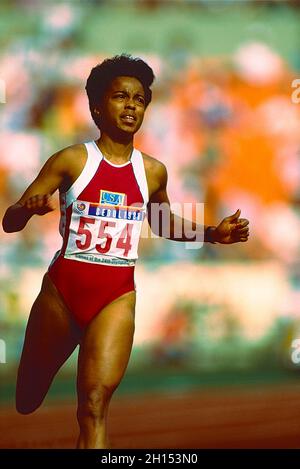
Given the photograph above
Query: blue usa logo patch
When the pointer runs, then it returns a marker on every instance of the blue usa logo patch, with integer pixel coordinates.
(111, 198)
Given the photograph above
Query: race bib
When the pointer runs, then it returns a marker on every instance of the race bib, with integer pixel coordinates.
(104, 233)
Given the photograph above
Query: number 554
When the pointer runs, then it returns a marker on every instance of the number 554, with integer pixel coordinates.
(123, 241)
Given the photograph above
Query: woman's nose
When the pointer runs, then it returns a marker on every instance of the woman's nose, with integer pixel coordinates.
(130, 104)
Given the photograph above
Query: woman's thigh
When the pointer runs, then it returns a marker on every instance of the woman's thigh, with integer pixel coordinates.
(106, 346)
(50, 338)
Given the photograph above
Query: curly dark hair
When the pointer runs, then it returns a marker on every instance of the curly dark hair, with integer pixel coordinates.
(104, 73)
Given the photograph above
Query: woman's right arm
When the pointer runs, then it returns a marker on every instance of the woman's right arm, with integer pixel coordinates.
(37, 200)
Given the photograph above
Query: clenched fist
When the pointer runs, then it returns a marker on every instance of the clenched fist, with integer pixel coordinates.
(40, 204)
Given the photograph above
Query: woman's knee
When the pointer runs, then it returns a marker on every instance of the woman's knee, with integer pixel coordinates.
(93, 402)
(26, 408)
(30, 392)
(27, 404)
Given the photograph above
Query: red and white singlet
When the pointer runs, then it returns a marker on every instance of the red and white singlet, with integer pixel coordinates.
(101, 220)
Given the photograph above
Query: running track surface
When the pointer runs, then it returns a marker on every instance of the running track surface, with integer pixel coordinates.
(253, 417)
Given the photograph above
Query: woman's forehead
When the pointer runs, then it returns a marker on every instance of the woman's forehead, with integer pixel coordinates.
(126, 83)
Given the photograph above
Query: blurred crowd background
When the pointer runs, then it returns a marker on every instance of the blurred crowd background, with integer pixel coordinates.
(223, 121)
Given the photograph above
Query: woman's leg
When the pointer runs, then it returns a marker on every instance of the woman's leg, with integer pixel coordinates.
(51, 336)
(103, 357)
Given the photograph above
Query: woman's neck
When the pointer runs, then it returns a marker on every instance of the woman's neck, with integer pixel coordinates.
(115, 152)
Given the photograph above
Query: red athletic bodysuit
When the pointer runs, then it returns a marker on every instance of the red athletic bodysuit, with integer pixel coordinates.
(101, 220)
